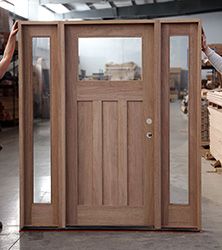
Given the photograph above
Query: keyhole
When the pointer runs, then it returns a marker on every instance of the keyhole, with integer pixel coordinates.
(149, 135)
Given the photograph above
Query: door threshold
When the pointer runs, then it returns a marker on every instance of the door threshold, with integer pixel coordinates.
(89, 228)
(110, 228)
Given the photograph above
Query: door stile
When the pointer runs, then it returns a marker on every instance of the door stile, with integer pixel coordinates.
(148, 99)
(25, 128)
(157, 125)
(61, 127)
(71, 127)
(165, 117)
(195, 141)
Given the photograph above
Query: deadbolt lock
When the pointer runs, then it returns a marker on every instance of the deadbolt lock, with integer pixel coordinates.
(149, 135)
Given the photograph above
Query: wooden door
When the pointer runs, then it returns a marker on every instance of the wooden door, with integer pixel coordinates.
(109, 155)
(110, 133)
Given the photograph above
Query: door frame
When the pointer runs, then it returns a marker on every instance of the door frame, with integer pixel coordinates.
(57, 30)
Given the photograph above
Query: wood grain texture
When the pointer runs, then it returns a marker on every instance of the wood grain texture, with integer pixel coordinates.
(111, 215)
(61, 111)
(148, 112)
(110, 153)
(157, 127)
(85, 154)
(122, 154)
(54, 123)
(71, 129)
(195, 43)
(165, 121)
(28, 130)
(97, 172)
(135, 154)
(115, 22)
(42, 215)
(110, 91)
(215, 120)
(21, 128)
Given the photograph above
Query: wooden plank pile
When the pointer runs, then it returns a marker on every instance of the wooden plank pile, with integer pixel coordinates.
(7, 109)
(216, 47)
(215, 121)
(124, 71)
(204, 122)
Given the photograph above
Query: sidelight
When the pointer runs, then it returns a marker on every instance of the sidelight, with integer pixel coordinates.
(41, 119)
(179, 120)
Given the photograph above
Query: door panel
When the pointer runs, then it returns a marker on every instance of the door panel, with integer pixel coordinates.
(113, 163)
(85, 153)
(110, 155)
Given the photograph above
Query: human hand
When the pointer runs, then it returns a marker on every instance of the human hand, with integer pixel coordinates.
(14, 29)
(203, 41)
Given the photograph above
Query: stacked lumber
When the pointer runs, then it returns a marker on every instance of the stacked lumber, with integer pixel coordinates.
(215, 97)
(217, 47)
(124, 71)
(215, 121)
(204, 122)
(7, 109)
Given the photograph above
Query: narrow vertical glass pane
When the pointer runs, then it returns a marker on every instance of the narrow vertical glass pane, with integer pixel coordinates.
(110, 58)
(179, 126)
(41, 119)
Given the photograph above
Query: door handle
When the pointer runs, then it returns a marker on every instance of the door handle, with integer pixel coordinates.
(149, 121)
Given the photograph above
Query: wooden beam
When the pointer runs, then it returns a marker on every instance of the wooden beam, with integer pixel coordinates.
(91, 6)
(112, 4)
(133, 2)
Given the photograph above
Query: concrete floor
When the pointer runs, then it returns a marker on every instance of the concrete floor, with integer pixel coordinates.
(10, 238)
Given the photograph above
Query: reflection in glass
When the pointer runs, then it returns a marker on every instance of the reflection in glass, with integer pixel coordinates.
(110, 58)
(41, 119)
(179, 156)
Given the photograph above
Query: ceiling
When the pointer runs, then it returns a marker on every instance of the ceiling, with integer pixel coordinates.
(111, 9)
(124, 9)
(83, 5)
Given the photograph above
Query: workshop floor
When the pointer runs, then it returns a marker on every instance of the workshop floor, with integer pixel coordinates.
(10, 238)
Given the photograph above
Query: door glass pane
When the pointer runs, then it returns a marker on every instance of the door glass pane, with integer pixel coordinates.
(110, 58)
(179, 164)
(41, 119)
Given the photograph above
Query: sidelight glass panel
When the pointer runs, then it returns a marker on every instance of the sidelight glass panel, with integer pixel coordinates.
(110, 58)
(41, 119)
(179, 120)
